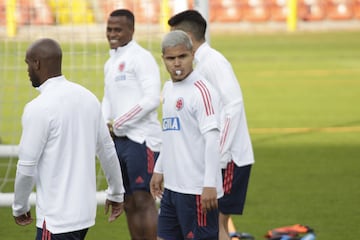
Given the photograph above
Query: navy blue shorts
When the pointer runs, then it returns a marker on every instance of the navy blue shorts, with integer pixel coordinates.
(235, 184)
(137, 163)
(46, 235)
(180, 218)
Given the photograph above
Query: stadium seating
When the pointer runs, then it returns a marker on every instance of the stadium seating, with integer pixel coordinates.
(357, 9)
(30, 12)
(312, 10)
(2, 12)
(255, 10)
(71, 12)
(109, 5)
(146, 11)
(40, 12)
(225, 11)
(340, 9)
(278, 10)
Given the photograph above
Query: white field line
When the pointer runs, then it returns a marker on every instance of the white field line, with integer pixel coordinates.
(12, 150)
(305, 130)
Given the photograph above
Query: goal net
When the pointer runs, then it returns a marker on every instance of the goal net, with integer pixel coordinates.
(80, 27)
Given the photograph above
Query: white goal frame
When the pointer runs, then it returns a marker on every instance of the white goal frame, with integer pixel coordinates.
(9, 151)
(6, 199)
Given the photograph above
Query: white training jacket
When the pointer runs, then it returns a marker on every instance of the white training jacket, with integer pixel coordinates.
(63, 131)
(235, 142)
(132, 94)
(190, 158)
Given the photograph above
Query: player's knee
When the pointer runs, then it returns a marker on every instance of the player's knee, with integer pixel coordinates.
(143, 199)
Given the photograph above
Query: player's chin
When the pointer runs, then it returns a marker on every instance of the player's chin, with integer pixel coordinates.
(176, 78)
(113, 45)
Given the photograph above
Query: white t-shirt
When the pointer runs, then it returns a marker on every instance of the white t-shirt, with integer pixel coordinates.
(63, 131)
(235, 138)
(132, 94)
(190, 109)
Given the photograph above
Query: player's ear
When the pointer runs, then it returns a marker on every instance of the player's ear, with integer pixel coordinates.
(35, 64)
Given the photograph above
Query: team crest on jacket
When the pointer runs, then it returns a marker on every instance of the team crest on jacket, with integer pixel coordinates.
(179, 103)
(121, 66)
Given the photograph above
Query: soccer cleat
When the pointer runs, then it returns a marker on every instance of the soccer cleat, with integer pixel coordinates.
(241, 236)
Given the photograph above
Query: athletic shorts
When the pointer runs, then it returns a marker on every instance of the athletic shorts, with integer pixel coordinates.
(180, 217)
(235, 184)
(43, 234)
(137, 163)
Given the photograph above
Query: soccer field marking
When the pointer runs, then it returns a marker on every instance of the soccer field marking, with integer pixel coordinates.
(312, 72)
(305, 130)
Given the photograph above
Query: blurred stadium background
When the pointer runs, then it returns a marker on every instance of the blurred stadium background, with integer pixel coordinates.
(300, 83)
(80, 27)
(55, 12)
(15, 14)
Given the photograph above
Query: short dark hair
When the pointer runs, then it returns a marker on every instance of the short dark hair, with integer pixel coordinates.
(126, 13)
(190, 21)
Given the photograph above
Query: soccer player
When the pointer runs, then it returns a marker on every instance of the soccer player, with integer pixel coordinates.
(189, 161)
(236, 149)
(131, 97)
(63, 131)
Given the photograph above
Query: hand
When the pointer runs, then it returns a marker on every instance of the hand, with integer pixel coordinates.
(116, 209)
(156, 187)
(24, 219)
(209, 199)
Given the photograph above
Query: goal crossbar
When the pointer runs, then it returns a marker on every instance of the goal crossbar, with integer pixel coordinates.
(9, 151)
(6, 199)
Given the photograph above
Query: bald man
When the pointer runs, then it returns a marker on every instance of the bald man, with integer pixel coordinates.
(63, 132)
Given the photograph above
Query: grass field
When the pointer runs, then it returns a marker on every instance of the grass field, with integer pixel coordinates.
(302, 96)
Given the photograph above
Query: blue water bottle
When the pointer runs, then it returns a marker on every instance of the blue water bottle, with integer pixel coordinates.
(309, 236)
(285, 237)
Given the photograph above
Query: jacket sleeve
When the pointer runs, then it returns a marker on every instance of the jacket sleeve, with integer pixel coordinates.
(23, 187)
(229, 130)
(227, 85)
(110, 163)
(149, 79)
(35, 130)
(212, 157)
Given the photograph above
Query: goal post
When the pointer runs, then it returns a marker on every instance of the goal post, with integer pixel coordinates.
(10, 18)
(6, 198)
(291, 20)
(203, 7)
(9, 151)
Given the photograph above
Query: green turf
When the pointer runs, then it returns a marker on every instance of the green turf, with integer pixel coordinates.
(302, 96)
